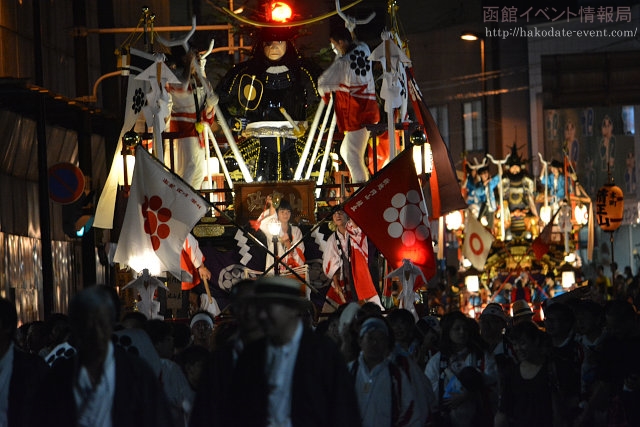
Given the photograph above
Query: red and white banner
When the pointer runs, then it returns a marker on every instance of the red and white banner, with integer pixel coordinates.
(392, 212)
(477, 241)
(161, 211)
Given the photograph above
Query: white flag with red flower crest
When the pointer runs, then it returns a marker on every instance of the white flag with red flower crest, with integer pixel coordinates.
(392, 212)
(161, 210)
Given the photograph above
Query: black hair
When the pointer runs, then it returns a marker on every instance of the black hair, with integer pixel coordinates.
(284, 204)
(562, 310)
(340, 32)
(158, 330)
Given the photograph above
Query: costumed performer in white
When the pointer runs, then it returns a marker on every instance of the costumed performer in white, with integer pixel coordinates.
(350, 78)
(191, 103)
(345, 260)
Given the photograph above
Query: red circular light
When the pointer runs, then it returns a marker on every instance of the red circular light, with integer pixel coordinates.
(280, 11)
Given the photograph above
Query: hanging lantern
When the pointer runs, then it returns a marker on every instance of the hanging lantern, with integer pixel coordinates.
(568, 275)
(472, 279)
(581, 214)
(609, 207)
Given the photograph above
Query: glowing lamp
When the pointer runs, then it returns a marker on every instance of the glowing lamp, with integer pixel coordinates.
(280, 11)
(472, 280)
(581, 214)
(422, 154)
(545, 214)
(453, 220)
(568, 275)
(274, 228)
(148, 261)
(609, 207)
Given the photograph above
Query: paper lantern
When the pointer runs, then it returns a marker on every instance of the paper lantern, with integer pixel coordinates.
(609, 207)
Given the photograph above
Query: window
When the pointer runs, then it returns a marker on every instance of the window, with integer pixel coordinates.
(440, 114)
(472, 119)
(628, 120)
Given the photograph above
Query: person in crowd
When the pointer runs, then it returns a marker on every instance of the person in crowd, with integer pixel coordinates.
(617, 388)
(217, 376)
(521, 312)
(37, 337)
(526, 399)
(566, 358)
(293, 376)
(269, 99)
(103, 384)
(402, 324)
(59, 335)
(20, 372)
(202, 325)
(191, 104)
(348, 327)
(345, 260)
(590, 334)
(181, 338)
(350, 80)
(426, 343)
(330, 327)
(289, 239)
(460, 346)
(386, 395)
(493, 325)
(193, 360)
(603, 284)
(132, 320)
(548, 288)
(172, 378)
(350, 321)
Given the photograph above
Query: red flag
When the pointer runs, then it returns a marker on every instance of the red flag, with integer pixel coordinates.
(446, 195)
(392, 212)
(540, 244)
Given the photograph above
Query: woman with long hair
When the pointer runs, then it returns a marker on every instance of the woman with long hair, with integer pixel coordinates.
(460, 347)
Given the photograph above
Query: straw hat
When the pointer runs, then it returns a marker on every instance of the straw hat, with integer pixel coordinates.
(521, 308)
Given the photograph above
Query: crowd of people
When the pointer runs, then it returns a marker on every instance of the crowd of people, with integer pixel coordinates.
(270, 360)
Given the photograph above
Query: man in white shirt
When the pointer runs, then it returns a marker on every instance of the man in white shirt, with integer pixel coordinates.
(103, 385)
(292, 377)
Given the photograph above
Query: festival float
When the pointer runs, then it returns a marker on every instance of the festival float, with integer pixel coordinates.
(264, 134)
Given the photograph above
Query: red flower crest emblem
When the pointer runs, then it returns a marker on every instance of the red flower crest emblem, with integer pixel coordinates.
(155, 220)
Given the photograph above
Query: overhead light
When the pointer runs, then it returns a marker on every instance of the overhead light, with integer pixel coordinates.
(469, 36)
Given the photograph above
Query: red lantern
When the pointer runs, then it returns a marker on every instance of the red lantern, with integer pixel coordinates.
(609, 207)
